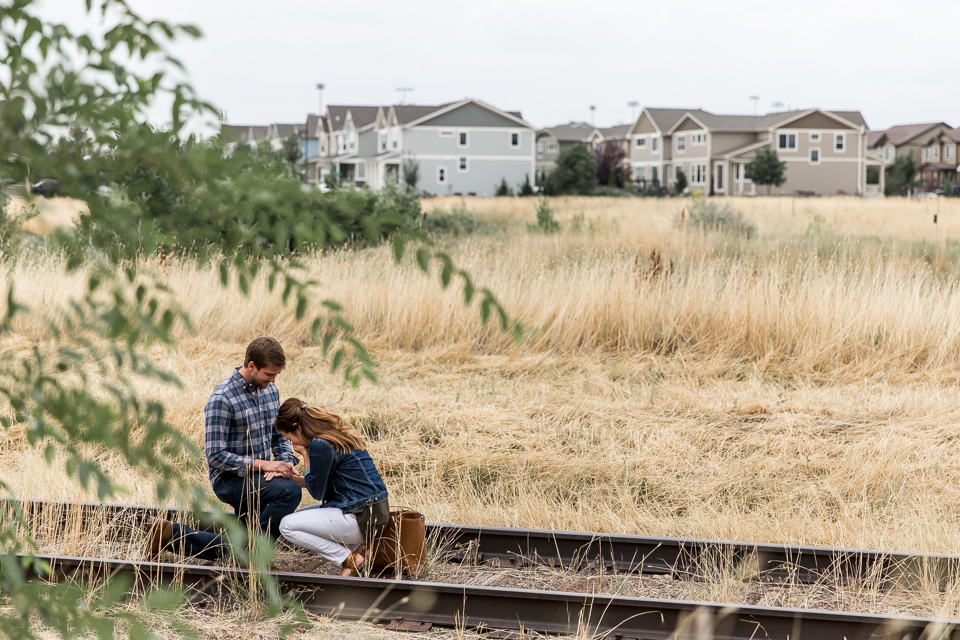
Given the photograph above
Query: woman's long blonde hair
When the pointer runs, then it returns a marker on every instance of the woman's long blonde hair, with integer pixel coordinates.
(316, 422)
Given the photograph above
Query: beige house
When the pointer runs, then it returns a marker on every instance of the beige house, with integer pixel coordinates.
(824, 151)
(903, 139)
(939, 160)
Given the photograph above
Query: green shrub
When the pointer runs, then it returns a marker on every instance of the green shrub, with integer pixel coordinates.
(708, 216)
(458, 222)
(503, 189)
(611, 192)
(525, 188)
(546, 223)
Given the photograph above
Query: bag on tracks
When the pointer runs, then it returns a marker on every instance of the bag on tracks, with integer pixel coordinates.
(402, 546)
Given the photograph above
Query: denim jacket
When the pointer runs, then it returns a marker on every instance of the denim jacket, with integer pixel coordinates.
(346, 481)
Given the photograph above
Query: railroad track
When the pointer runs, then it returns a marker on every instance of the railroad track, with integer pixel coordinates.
(511, 613)
(415, 605)
(681, 558)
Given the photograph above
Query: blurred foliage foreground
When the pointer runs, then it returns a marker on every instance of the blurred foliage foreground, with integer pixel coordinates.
(72, 110)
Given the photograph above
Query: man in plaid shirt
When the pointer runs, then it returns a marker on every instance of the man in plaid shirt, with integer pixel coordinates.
(240, 435)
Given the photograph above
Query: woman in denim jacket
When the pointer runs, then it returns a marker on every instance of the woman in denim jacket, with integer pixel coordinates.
(340, 474)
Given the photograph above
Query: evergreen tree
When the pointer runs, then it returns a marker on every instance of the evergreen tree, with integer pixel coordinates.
(767, 169)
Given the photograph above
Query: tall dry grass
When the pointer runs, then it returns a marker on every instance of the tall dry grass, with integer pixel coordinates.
(786, 389)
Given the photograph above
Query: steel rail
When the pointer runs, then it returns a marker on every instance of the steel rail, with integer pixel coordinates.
(679, 557)
(513, 610)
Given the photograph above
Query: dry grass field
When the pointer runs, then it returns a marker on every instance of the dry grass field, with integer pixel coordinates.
(797, 387)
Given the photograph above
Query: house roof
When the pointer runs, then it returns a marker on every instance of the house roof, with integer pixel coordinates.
(901, 133)
(248, 132)
(572, 131)
(667, 118)
(313, 121)
(409, 112)
(362, 116)
(284, 130)
(617, 132)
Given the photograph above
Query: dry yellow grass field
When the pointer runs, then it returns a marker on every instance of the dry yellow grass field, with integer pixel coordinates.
(797, 387)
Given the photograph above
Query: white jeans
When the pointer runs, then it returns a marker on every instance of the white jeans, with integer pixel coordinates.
(329, 532)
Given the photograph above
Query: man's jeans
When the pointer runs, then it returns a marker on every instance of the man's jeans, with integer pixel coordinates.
(201, 544)
(269, 500)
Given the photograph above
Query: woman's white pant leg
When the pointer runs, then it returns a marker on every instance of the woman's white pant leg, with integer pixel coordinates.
(328, 532)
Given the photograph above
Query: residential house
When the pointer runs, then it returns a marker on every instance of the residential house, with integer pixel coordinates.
(466, 147)
(552, 140)
(902, 140)
(351, 139)
(939, 160)
(824, 150)
(251, 135)
(616, 135)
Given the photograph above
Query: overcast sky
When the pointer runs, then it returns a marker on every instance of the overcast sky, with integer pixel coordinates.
(261, 61)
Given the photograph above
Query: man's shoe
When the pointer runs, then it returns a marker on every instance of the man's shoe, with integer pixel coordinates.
(159, 533)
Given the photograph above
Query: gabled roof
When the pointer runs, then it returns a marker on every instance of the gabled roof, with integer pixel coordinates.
(571, 132)
(285, 130)
(407, 113)
(362, 116)
(245, 132)
(450, 106)
(313, 122)
(723, 122)
(902, 133)
(617, 132)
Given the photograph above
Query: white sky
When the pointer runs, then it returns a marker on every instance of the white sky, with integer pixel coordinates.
(260, 61)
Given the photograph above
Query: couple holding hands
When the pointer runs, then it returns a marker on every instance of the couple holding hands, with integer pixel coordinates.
(252, 444)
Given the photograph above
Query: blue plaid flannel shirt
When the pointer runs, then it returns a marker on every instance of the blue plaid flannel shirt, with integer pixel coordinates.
(240, 427)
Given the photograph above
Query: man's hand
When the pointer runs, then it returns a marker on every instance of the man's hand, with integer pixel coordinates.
(274, 469)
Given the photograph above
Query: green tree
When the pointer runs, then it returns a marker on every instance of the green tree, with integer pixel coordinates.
(525, 188)
(767, 169)
(411, 172)
(148, 188)
(576, 172)
(680, 182)
(502, 189)
(902, 175)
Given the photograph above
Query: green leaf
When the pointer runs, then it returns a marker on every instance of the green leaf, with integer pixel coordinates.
(224, 273)
(423, 259)
(485, 308)
(302, 303)
(399, 247)
(446, 274)
(338, 359)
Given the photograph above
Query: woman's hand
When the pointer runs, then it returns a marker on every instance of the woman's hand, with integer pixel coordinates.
(303, 452)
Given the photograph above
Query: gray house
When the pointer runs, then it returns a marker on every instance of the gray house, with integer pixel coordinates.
(466, 147)
(351, 138)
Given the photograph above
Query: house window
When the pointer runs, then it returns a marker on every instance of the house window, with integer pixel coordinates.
(840, 141)
(539, 149)
(653, 173)
(887, 153)
(446, 133)
(948, 152)
(383, 142)
(462, 140)
(787, 142)
(462, 167)
(926, 154)
(641, 142)
(441, 175)
(814, 156)
(654, 145)
(361, 171)
(681, 143)
(551, 147)
(641, 173)
(736, 171)
(814, 136)
(936, 152)
(514, 140)
(698, 138)
(677, 170)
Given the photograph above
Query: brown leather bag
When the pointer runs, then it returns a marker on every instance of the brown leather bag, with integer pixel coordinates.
(402, 546)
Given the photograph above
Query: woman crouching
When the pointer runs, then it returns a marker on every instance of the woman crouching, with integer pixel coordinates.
(340, 474)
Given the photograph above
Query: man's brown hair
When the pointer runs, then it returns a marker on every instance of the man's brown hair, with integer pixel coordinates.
(264, 351)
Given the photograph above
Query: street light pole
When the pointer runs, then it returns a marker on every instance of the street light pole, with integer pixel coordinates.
(593, 108)
(633, 104)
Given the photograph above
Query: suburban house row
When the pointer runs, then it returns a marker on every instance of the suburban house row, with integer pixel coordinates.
(468, 147)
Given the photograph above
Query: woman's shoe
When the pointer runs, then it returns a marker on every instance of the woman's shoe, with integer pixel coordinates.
(351, 565)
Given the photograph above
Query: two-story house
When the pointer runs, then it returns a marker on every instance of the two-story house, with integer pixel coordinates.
(552, 140)
(939, 160)
(904, 140)
(824, 150)
(466, 147)
(351, 138)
